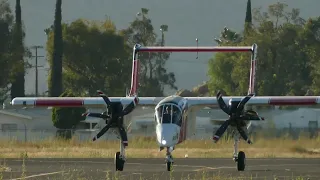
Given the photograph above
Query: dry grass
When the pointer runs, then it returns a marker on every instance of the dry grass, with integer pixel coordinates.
(143, 147)
(146, 147)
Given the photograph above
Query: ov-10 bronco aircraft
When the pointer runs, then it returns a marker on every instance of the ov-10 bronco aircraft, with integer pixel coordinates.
(175, 116)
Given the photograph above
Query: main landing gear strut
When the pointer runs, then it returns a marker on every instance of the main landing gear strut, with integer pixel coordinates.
(239, 157)
(120, 157)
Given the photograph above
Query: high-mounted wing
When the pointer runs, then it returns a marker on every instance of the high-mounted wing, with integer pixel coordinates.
(202, 102)
(90, 102)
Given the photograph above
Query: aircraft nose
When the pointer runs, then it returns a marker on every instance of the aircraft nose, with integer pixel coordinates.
(167, 135)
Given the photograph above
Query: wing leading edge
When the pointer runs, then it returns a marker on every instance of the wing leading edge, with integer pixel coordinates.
(258, 101)
(153, 101)
(90, 102)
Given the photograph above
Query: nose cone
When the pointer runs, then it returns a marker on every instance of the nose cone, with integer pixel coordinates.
(167, 134)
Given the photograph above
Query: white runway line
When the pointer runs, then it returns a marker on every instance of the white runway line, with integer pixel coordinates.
(38, 175)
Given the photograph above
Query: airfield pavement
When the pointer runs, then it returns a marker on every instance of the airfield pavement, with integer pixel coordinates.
(156, 169)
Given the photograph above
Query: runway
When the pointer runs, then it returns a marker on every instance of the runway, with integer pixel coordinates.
(155, 169)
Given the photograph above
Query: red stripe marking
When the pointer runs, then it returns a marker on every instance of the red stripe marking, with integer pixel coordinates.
(134, 76)
(292, 101)
(193, 49)
(60, 103)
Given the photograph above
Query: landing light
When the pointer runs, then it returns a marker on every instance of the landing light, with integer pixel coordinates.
(164, 142)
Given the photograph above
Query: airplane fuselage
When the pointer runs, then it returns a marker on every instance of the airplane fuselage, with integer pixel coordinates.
(171, 121)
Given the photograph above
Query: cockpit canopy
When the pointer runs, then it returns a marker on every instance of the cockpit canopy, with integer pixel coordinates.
(168, 113)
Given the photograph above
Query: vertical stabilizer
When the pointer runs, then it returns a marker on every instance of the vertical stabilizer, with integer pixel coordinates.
(134, 73)
(253, 69)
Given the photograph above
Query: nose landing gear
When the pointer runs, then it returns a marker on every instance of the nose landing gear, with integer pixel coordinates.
(169, 158)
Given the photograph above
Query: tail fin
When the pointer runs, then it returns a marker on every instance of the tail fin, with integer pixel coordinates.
(253, 70)
(134, 74)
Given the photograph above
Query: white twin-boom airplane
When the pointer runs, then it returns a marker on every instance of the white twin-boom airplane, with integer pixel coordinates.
(175, 116)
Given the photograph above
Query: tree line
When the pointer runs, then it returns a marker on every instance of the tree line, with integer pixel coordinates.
(85, 56)
(288, 54)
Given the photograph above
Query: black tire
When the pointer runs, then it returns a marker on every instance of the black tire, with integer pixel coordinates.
(119, 162)
(169, 166)
(241, 162)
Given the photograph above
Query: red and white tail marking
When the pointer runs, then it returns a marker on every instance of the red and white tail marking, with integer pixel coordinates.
(253, 70)
(195, 49)
(134, 77)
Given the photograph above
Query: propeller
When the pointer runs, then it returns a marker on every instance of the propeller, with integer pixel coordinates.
(235, 110)
(113, 116)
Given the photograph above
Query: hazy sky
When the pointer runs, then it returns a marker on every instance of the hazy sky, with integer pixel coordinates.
(187, 20)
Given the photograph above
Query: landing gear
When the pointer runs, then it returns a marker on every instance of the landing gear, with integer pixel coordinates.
(239, 157)
(120, 158)
(169, 166)
(169, 159)
(119, 162)
(241, 161)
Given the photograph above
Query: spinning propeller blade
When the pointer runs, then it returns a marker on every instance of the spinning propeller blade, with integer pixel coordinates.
(97, 115)
(116, 117)
(235, 116)
(103, 130)
(105, 97)
(244, 135)
(222, 104)
(131, 106)
(220, 131)
(244, 101)
(123, 135)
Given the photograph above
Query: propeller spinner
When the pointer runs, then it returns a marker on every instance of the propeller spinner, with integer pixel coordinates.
(114, 116)
(237, 115)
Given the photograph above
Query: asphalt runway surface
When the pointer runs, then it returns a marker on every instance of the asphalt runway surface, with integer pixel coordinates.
(186, 168)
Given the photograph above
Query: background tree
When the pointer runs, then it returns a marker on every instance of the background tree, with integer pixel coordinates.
(283, 59)
(66, 119)
(18, 52)
(311, 46)
(6, 22)
(95, 57)
(153, 76)
(248, 19)
(55, 73)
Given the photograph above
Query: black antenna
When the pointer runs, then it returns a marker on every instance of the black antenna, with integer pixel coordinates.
(197, 47)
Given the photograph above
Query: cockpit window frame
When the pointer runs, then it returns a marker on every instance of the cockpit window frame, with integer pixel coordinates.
(159, 120)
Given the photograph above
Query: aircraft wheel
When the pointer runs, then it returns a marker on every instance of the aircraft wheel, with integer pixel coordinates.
(169, 166)
(119, 162)
(241, 161)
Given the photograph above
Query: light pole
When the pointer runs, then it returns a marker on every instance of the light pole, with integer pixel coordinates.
(36, 66)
